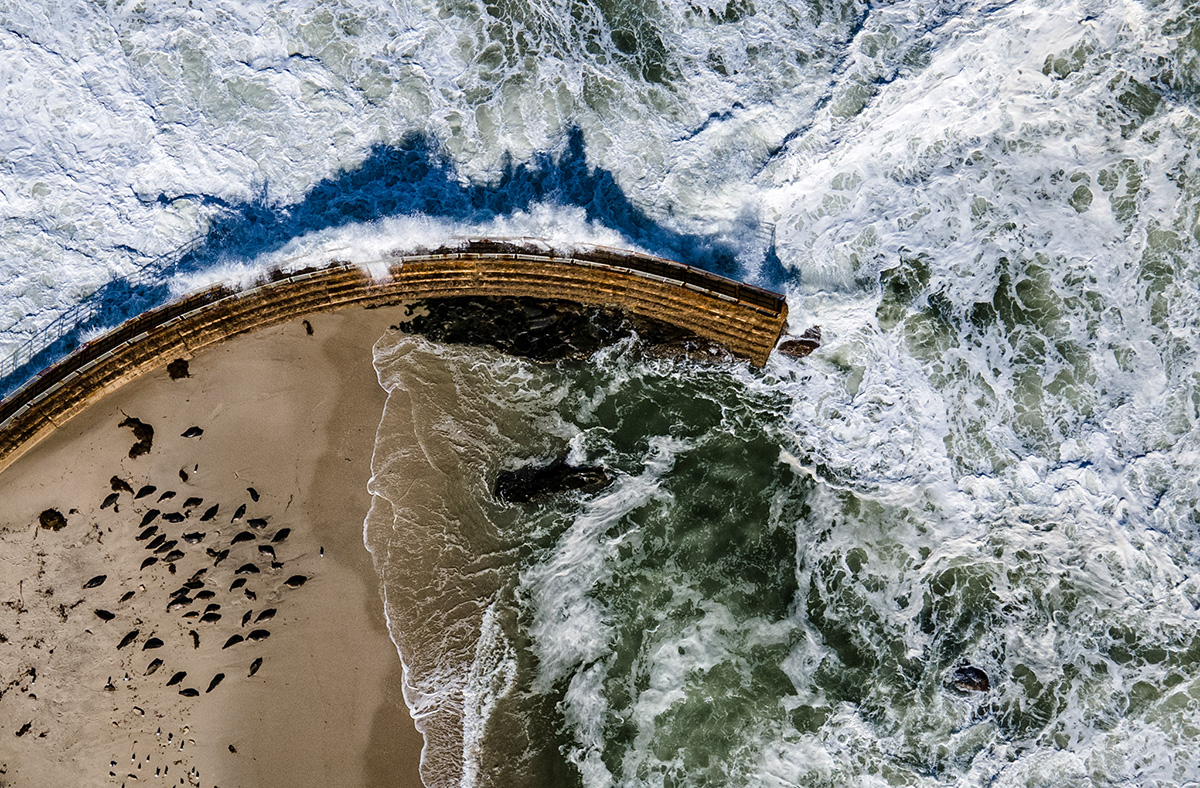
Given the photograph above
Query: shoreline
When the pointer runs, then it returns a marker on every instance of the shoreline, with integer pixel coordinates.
(291, 415)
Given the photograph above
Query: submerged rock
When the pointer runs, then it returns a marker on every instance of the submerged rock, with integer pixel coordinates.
(535, 481)
(803, 345)
(967, 678)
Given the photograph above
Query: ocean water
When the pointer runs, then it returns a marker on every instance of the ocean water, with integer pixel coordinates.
(992, 209)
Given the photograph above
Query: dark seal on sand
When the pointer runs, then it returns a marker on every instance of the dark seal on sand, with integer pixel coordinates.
(535, 481)
(144, 434)
(95, 581)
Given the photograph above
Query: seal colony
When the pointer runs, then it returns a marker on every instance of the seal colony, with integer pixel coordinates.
(185, 590)
(200, 609)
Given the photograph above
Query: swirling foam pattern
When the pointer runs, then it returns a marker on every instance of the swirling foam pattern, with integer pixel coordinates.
(991, 208)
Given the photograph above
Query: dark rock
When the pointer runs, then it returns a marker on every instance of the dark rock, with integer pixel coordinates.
(110, 500)
(104, 615)
(148, 517)
(215, 681)
(967, 678)
(535, 481)
(144, 491)
(295, 581)
(281, 534)
(540, 329)
(178, 369)
(192, 432)
(119, 485)
(143, 433)
(96, 581)
(803, 345)
(210, 513)
(52, 520)
(129, 638)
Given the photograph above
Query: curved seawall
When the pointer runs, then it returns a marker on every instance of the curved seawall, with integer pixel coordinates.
(745, 319)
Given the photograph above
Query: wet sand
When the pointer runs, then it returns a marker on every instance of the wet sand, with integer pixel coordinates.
(291, 415)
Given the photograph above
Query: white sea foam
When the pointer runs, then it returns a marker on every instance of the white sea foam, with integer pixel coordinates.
(989, 207)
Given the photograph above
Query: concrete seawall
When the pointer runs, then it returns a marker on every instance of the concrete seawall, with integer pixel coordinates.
(745, 319)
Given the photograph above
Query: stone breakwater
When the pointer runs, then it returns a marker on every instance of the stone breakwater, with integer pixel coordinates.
(744, 319)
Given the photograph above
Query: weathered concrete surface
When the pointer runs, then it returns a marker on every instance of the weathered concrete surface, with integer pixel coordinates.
(746, 320)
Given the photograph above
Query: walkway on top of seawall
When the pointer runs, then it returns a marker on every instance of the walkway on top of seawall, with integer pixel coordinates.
(745, 319)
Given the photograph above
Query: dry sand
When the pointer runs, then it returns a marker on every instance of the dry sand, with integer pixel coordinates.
(289, 414)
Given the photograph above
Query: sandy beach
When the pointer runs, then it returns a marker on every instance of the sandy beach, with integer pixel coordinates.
(223, 628)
